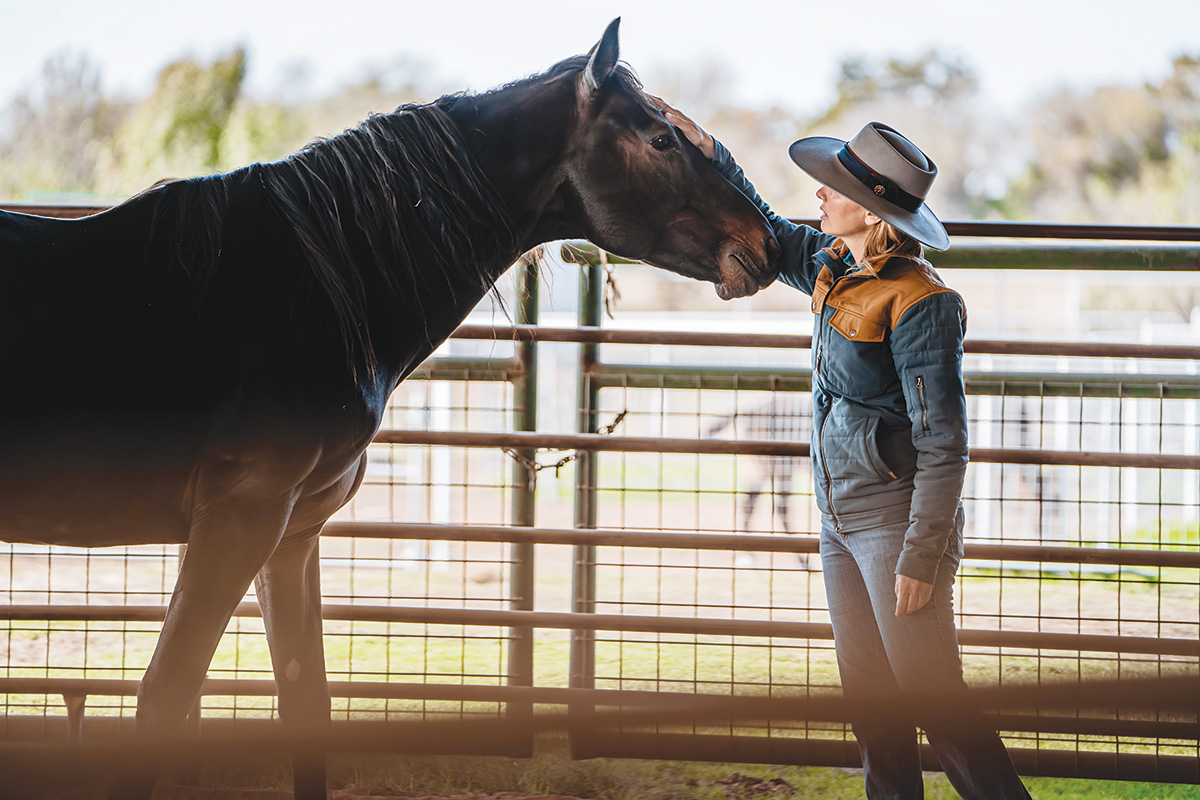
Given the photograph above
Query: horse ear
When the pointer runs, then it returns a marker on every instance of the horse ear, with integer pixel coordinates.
(602, 60)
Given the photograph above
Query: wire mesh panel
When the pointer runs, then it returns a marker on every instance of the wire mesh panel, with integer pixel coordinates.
(1027, 618)
(402, 483)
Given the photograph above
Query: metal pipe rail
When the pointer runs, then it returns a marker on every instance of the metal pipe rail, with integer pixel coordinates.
(486, 617)
(225, 741)
(768, 379)
(626, 623)
(1147, 255)
(1170, 694)
(595, 442)
(1164, 695)
(595, 335)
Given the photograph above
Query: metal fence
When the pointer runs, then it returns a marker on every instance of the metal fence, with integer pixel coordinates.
(593, 516)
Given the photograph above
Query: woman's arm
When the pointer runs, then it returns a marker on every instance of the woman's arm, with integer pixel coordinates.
(927, 351)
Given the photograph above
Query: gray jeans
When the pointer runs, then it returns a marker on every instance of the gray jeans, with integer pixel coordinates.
(882, 656)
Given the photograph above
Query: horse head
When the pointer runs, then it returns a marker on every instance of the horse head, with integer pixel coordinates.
(647, 193)
(582, 152)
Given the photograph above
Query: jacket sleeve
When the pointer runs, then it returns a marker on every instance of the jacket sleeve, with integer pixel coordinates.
(798, 243)
(927, 348)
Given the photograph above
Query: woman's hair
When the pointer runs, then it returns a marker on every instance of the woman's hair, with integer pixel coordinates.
(884, 242)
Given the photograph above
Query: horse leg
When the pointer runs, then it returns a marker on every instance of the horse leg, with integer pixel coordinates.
(227, 546)
(783, 498)
(744, 559)
(289, 594)
(750, 500)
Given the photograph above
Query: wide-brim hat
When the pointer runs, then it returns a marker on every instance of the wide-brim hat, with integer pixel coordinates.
(883, 172)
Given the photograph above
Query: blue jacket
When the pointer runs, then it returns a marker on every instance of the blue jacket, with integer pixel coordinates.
(889, 437)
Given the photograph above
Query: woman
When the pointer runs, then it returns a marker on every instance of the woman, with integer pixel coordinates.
(889, 449)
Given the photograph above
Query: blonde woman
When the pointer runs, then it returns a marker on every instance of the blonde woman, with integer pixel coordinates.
(889, 447)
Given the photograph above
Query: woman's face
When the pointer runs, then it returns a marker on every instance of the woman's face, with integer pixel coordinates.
(840, 216)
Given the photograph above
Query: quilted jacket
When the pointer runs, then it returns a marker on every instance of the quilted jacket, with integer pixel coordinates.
(889, 437)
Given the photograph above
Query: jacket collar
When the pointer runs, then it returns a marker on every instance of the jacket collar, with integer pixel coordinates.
(837, 266)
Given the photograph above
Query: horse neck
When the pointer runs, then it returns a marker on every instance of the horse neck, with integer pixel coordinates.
(400, 227)
(519, 135)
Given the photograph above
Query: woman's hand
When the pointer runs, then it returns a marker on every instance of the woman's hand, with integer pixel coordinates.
(691, 131)
(911, 594)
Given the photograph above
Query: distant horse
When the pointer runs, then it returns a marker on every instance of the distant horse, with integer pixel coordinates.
(786, 418)
(207, 362)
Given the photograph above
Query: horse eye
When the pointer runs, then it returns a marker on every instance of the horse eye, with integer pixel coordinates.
(663, 142)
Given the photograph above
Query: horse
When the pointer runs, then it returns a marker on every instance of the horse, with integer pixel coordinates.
(787, 417)
(206, 362)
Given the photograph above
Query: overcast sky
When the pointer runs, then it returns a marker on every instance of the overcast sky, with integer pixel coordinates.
(777, 51)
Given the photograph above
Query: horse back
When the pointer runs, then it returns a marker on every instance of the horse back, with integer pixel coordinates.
(121, 364)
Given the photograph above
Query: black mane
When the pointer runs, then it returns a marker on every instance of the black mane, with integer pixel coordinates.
(379, 205)
(388, 203)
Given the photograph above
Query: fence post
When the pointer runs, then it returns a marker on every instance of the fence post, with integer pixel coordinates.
(521, 571)
(583, 593)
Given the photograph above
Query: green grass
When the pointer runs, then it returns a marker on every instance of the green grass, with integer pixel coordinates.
(1169, 535)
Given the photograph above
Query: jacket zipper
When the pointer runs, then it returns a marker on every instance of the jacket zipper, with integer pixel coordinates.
(837, 524)
(924, 408)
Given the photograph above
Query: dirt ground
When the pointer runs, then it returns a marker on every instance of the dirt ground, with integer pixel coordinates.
(179, 793)
(52, 790)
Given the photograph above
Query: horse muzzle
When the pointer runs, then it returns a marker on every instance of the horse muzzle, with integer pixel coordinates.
(744, 270)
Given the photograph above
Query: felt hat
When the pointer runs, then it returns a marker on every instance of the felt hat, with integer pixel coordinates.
(883, 172)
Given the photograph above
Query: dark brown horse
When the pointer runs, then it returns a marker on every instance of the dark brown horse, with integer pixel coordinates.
(207, 362)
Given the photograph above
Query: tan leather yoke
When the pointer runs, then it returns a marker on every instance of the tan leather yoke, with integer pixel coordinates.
(867, 306)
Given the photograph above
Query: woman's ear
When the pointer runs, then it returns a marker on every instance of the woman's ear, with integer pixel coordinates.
(871, 219)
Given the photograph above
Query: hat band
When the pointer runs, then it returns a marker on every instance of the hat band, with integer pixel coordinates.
(880, 185)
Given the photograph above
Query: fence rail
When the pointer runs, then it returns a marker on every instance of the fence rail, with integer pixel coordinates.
(1085, 487)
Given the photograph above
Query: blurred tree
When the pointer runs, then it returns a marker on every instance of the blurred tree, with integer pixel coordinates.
(1087, 149)
(1112, 154)
(932, 99)
(380, 88)
(931, 79)
(53, 130)
(928, 98)
(63, 135)
(1117, 154)
(1178, 181)
(177, 130)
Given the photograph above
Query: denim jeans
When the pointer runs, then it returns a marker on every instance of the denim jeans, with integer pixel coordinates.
(881, 655)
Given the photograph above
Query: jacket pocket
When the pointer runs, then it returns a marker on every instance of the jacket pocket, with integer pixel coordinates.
(851, 451)
(855, 358)
(857, 328)
(882, 470)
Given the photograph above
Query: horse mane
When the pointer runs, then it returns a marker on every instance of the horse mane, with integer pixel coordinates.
(380, 205)
(387, 203)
